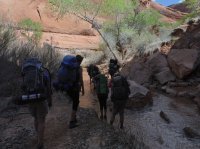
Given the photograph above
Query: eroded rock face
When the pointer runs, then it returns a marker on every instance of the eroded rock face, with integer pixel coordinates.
(165, 76)
(137, 71)
(183, 62)
(157, 62)
(173, 61)
(190, 39)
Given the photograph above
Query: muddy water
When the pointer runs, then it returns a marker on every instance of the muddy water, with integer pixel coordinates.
(147, 125)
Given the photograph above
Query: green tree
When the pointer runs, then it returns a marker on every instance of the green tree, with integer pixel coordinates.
(33, 30)
(123, 18)
(194, 5)
(89, 10)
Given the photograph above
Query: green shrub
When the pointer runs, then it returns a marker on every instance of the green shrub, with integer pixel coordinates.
(29, 25)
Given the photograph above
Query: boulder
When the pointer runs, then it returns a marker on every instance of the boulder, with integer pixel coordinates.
(191, 133)
(177, 32)
(165, 76)
(137, 91)
(197, 101)
(183, 61)
(171, 91)
(164, 117)
(158, 62)
(190, 38)
(138, 72)
(139, 97)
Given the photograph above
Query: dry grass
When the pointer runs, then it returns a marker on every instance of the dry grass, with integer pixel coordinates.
(13, 53)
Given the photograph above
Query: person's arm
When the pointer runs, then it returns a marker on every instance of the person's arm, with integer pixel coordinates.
(126, 84)
(81, 81)
(48, 90)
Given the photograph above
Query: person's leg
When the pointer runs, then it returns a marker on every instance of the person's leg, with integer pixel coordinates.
(41, 128)
(36, 124)
(75, 99)
(105, 106)
(114, 112)
(121, 114)
(42, 110)
(101, 106)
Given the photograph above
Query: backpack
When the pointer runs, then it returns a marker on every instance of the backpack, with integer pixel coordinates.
(92, 70)
(119, 89)
(102, 87)
(95, 71)
(67, 73)
(113, 67)
(33, 85)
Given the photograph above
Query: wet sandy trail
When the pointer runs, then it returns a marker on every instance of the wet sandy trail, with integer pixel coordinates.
(143, 128)
(145, 124)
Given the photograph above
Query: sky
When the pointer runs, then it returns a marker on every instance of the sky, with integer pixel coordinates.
(168, 2)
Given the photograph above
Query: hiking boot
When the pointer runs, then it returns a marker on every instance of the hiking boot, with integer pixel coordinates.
(101, 117)
(75, 121)
(72, 124)
(40, 146)
(105, 117)
(111, 122)
(121, 126)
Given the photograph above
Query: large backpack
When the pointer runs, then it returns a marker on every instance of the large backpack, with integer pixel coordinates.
(113, 67)
(102, 84)
(67, 73)
(119, 89)
(33, 85)
(93, 70)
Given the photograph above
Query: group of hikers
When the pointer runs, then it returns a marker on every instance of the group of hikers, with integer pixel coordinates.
(37, 90)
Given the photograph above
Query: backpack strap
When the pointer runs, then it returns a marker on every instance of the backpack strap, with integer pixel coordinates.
(50, 79)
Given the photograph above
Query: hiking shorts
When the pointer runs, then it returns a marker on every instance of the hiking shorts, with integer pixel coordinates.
(119, 106)
(39, 110)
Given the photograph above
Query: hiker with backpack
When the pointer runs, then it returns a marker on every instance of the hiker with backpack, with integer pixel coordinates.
(36, 92)
(113, 67)
(70, 80)
(92, 70)
(102, 94)
(119, 95)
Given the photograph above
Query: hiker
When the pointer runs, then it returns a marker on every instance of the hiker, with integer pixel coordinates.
(102, 94)
(74, 92)
(113, 67)
(119, 95)
(70, 80)
(36, 89)
(92, 72)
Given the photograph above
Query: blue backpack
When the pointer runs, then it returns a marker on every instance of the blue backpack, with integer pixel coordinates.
(67, 73)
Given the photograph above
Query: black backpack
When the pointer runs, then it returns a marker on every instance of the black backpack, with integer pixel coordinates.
(120, 88)
(93, 70)
(113, 67)
(33, 85)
